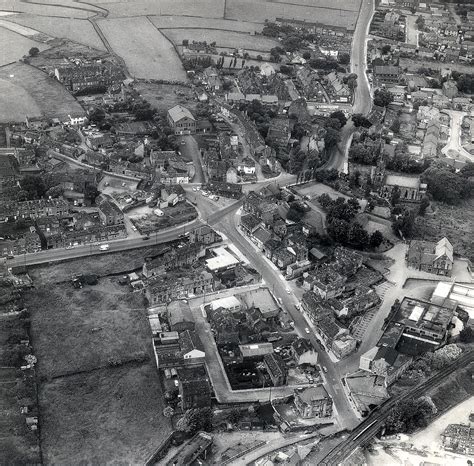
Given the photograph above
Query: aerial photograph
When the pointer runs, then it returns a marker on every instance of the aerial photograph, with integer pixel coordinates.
(237, 232)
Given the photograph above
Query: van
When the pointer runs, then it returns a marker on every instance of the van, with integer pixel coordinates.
(104, 247)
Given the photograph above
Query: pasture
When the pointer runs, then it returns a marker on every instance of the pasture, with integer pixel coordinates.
(25, 90)
(109, 416)
(185, 22)
(203, 8)
(76, 30)
(13, 45)
(85, 329)
(146, 51)
(225, 39)
(335, 13)
(62, 8)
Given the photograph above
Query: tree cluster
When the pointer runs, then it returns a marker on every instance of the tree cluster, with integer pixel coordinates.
(194, 420)
(382, 98)
(259, 114)
(409, 415)
(446, 186)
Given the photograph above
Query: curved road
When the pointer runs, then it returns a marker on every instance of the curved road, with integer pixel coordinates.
(362, 96)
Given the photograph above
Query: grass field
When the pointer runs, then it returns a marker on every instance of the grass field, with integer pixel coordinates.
(331, 13)
(111, 416)
(25, 90)
(230, 39)
(72, 29)
(147, 53)
(13, 46)
(83, 329)
(163, 96)
(203, 8)
(43, 9)
(172, 22)
(103, 265)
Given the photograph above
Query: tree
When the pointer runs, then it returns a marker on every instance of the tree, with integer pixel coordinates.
(168, 411)
(33, 52)
(357, 236)
(466, 335)
(360, 120)
(331, 138)
(395, 196)
(194, 420)
(295, 213)
(338, 230)
(446, 186)
(409, 415)
(34, 186)
(344, 58)
(339, 115)
(382, 98)
(307, 55)
(386, 49)
(404, 223)
(444, 356)
(376, 239)
(425, 202)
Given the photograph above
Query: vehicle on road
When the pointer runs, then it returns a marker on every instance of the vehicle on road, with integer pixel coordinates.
(288, 291)
(146, 237)
(134, 228)
(325, 369)
(195, 189)
(280, 302)
(10, 257)
(298, 306)
(198, 188)
(183, 143)
(306, 329)
(104, 247)
(205, 193)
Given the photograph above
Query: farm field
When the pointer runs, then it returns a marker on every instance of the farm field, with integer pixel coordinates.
(25, 90)
(203, 8)
(258, 11)
(174, 22)
(86, 329)
(228, 39)
(110, 416)
(73, 29)
(147, 52)
(164, 96)
(68, 8)
(13, 46)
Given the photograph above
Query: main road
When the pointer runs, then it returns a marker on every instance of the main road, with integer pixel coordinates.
(228, 225)
(362, 96)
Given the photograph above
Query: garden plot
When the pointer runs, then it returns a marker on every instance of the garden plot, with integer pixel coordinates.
(146, 51)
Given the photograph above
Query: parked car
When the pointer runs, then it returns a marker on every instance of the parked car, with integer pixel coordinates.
(306, 329)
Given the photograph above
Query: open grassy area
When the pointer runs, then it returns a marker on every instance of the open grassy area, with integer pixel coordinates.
(228, 39)
(337, 13)
(164, 96)
(194, 22)
(454, 222)
(204, 8)
(146, 51)
(25, 90)
(84, 329)
(14, 46)
(101, 265)
(110, 416)
(77, 30)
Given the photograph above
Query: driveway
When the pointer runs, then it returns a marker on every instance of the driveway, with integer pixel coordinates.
(453, 148)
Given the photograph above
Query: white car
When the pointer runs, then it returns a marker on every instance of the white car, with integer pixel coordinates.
(198, 188)
(288, 291)
(306, 329)
(194, 189)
